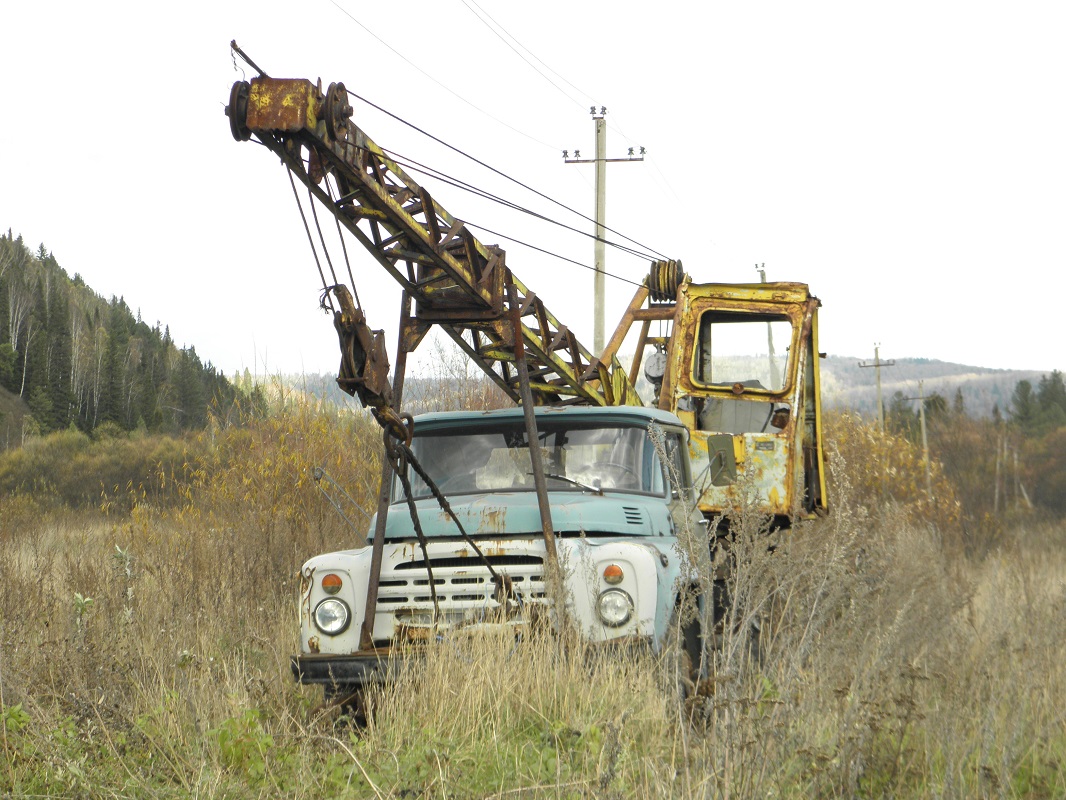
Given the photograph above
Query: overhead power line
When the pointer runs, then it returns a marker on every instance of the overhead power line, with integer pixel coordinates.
(326, 297)
(562, 91)
(483, 228)
(501, 32)
(420, 168)
(551, 253)
(441, 85)
(484, 17)
(502, 174)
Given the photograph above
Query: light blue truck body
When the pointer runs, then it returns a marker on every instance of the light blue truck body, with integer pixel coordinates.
(621, 505)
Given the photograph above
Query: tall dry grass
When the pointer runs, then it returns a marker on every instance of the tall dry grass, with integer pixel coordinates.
(144, 653)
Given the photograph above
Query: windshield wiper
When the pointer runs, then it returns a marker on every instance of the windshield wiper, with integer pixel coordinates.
(564, 479)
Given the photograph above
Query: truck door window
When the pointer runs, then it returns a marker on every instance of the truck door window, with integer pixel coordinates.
(749, 349)
(675, 470)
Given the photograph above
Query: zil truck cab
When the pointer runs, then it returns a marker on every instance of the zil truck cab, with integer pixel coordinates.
(618, 487)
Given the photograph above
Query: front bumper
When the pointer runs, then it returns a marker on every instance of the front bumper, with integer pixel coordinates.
(348, 671)
(351, 672)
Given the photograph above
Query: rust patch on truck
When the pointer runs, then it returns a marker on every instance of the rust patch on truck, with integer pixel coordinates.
(493, 520)
(754, 421)
(307, 580)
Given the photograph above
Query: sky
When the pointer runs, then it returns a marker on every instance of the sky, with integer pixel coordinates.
(906, 160)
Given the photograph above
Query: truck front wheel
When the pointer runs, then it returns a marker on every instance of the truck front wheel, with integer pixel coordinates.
(683, 655)
(352, 702)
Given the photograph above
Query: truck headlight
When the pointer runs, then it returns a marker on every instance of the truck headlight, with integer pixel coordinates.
(332, 616)
(614, 607)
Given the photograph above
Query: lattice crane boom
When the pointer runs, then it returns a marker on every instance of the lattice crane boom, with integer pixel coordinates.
(456, 282)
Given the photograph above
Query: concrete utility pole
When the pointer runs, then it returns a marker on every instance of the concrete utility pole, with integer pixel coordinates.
(598, 252)
(878, 363)
(761, 269)
(925, 442)
(1000, 447)
(925, 439)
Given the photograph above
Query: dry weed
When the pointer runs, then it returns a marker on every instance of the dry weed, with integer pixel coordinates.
(145, 653)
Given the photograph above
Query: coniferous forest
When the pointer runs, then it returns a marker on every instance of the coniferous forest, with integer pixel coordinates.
(76, 359)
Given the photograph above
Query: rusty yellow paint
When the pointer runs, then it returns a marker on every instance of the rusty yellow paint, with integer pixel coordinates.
(762, 467)
(790, 300)
(768, 463)
(785, 293)
(282, 104)
(817, 372)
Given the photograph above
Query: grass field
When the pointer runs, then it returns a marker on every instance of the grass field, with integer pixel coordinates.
(144, 653)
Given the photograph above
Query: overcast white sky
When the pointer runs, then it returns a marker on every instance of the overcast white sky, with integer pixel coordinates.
(906, 160)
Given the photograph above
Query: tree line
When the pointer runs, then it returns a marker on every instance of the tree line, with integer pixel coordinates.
(79, 360)
(1011, 462)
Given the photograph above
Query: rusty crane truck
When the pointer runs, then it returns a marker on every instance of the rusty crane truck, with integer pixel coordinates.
(569, 505)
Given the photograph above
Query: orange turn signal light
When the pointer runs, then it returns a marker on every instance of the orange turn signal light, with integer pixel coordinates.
(612, 574)
(331, 583)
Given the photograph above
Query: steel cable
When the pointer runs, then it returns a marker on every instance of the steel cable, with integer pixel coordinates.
(498, 172)
(326, 299)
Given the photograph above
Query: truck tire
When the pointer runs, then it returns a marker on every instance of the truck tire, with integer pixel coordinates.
(352, 703)
(683, 656)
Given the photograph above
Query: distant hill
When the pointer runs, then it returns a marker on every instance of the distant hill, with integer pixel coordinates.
(421, 394)
(847, 385)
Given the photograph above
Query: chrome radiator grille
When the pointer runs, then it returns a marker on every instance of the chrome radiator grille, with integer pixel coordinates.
(461, 582)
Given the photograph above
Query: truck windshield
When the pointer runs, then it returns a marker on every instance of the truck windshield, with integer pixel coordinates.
(495, 458)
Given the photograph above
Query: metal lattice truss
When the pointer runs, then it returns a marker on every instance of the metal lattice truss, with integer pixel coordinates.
(456, 282)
